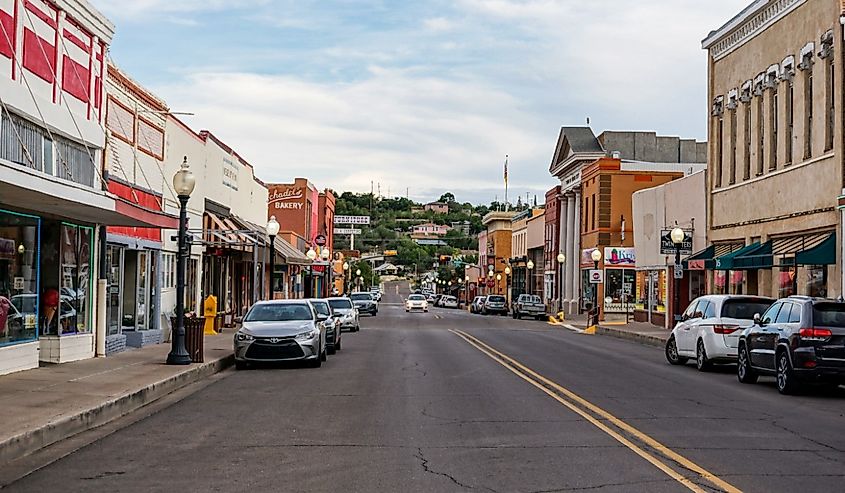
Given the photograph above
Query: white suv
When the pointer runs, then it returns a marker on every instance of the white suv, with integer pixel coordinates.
(710, 327)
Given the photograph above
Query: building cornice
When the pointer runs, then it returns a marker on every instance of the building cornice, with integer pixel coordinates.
(756, 18)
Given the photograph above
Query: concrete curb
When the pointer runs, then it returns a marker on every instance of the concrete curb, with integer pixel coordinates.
(646, 339)
(36, 439)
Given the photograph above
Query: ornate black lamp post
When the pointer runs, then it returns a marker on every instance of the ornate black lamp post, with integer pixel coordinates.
(272, 231)
(183, 183)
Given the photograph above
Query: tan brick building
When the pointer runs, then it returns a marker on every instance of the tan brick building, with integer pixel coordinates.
(776, 150)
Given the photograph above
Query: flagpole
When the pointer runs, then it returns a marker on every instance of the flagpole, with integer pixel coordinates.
(507, 206)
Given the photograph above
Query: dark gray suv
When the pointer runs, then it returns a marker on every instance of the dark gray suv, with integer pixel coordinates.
(798, 339)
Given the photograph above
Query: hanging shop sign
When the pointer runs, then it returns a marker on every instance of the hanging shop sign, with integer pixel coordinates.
(667, 246)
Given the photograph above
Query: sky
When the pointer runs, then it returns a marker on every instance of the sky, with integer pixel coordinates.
(423, 96)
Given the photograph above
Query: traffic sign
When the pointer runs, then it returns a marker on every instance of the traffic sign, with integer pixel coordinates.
(596, 276)
(347, 231)
(679, 271)
(352, 219)
(320, 240)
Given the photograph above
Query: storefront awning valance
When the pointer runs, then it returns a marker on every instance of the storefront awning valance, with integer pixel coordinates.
(726, 262)
(698, 260)
(290, 254)
(822, 254)
(757, 258)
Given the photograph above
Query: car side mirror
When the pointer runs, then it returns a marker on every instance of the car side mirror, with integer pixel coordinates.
(322, 318)
(239, 320)
(758, 320)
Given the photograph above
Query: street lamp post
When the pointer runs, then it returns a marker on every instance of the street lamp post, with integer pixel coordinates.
(272, 231)
(360, 279)
(507, 285)
(596, 256)
(561, 260)
(499, 284)
(183, 183)
(346, 282)
(677, 236)
(325, 254)
(466, 290)
(529, 277)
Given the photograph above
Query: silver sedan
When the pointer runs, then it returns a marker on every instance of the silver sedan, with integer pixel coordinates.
(281, 330)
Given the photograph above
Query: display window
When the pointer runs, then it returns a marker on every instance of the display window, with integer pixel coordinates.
(786, 281)
(720, 281)
(816, 280)
(19, 266)
(66, 253)
(619, 290)
(737, 281)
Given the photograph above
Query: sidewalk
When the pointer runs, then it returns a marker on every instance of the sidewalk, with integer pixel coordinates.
(48, 404)
(642, 332)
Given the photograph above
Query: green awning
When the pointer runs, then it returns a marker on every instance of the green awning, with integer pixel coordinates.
(758, 258)
(706, 254)
(726, 262)
(822, 254)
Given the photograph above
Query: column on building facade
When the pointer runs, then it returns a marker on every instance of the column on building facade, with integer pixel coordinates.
(571, 258)
(576, 251)
(560, 276)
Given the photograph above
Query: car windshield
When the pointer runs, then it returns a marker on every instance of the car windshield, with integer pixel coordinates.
(361, 297)
(416, 297)
(744, 309)
(496, 299)
(340, 304)
(829, 314)
(322, 308)
(278, 312)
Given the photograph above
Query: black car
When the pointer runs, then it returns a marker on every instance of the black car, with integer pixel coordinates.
(365, 303)
(798, 339)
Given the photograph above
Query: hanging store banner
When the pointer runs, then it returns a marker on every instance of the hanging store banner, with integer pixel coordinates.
(620, 257)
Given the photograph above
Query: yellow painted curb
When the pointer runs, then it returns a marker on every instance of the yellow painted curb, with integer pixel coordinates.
(590, 330)
(616, 323)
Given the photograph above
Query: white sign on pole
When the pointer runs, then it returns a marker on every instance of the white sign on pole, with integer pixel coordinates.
(679, 271)
(352, 219)
(347, 231)
(596, 276)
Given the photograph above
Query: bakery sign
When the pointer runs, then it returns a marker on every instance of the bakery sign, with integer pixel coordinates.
(288, 198)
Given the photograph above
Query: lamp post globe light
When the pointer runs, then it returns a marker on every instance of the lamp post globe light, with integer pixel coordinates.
(507, 285)
(345, 277)
(561, 260)
(677, 235)
(311, 254)
(596, 256)
(272, 231)
(529, 275)
(183, 184)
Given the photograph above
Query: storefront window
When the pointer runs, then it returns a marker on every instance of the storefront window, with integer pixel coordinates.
(816, 281)
(786, 282)
(19, 247)
(587, 289)
(75, 281)
(619, 286)
(720, 280)
(114, 266)
(737, 278)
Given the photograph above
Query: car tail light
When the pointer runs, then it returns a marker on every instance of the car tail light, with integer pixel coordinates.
(725, 329)
(811, 334)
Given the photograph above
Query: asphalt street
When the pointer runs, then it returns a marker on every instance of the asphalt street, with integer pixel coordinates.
(448, 401)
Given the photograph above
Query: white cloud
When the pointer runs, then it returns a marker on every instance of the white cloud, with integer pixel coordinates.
(439, 24)
(423, 133)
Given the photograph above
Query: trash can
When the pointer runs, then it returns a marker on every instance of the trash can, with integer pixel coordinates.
(194, 341)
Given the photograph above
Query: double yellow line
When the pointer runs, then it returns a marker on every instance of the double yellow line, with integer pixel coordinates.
(594, 414)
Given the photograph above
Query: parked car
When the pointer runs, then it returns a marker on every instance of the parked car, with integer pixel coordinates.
(333, 330)
(710, 327)
(449, 302)
(375, 291)
(365, 303)
(529, 305)
(496, 305)
(416, 302)
(281, 330)
(798, 340)
(344, 309)
(477, 305)
(436, 301)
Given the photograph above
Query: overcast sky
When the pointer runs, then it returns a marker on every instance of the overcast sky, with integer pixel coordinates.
(425, 95)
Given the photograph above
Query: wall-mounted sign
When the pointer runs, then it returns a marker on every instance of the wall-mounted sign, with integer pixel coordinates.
(347, 231)
(696, 264)
(230, 173)
(288, 198)
(667, 246)
(320, 240)
(352, 219)
(587, 256)
(391, 253)
(596, 276)
(620, 257)
(18, 284)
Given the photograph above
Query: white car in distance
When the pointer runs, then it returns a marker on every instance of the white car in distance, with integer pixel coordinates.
(416, 302)
(710, 327)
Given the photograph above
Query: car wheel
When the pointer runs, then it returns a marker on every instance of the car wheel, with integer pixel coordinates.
(672, 355)
(744, 372)
(787, 384)
(701, 361)
(357, 328)
(241, 365)
(331, 349)
(337, 344)
(514, 315)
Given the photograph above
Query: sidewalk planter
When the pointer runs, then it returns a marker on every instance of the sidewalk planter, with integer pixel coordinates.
(64, 349)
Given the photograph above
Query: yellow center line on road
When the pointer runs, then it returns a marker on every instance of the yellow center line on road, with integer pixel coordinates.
(544, 383)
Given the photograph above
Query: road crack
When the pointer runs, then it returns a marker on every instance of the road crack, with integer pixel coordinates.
(425, 465)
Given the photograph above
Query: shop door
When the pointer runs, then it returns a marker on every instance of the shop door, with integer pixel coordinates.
(142, 291)
(152, 321)
(114, 263)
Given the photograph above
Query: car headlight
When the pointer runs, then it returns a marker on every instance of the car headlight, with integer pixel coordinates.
(243, 337)
(310, 334)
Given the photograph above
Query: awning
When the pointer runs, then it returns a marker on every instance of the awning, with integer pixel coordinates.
(290, 254)
(822, 254)
(788, 249)
(721, 250)
(758, 258)
(698, 261)
(726, 262)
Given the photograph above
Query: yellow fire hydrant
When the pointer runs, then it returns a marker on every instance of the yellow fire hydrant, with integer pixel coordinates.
(209, 311)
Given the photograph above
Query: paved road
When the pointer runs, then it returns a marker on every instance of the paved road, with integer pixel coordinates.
(448, 401)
